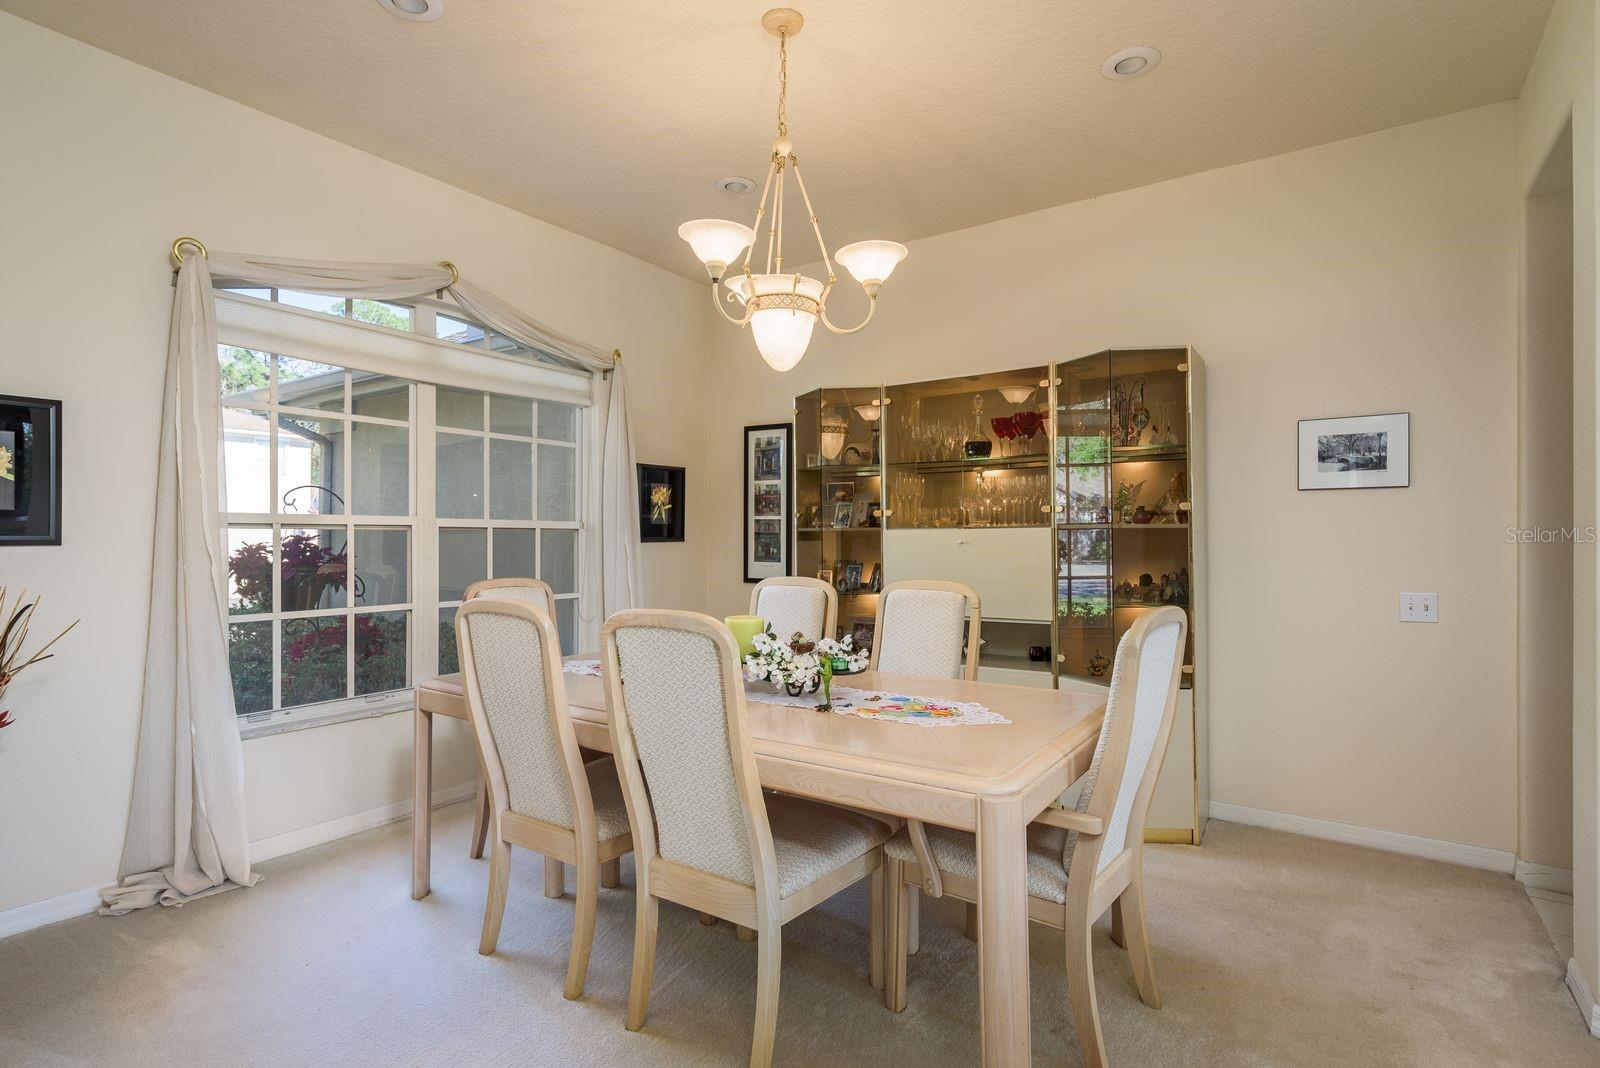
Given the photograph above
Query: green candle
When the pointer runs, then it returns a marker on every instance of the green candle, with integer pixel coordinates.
(744, 629)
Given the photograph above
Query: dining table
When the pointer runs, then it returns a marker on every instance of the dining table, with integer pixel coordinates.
(989, 778)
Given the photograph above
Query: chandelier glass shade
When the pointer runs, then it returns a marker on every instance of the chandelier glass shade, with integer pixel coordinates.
(782, 309)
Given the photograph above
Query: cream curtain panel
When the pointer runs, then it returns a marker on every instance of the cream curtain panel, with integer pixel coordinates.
(186, 829)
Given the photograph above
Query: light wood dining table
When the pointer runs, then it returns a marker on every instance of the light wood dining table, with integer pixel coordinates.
(991, 779)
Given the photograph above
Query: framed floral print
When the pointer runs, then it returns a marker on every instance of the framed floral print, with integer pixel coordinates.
(661, 503)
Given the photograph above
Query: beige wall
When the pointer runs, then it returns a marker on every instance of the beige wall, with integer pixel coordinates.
(106, 163)
(1561, 89)
(1372, 275)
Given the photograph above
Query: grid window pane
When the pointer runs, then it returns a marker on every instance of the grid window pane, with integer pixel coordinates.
(558, 560)
(460, 408)
(511, 415)
(383, 572)
(558, 486)
(249, 570)
(447, 642)
(459, 331)
(314, 658)
(307, 384)
(459, 474)
(382, 313)
(247, 453)
(380, 396)
(380, 479)
(310, 465)
(317, 302)
(510, 479)
(382, 645)
(513, 553)
(463, 560)
(558, 422)
(567, 625)
(313, 569)
(246, 375)
(250, 664)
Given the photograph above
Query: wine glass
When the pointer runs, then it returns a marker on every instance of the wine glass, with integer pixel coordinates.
(1027, 424)
(1004, 429)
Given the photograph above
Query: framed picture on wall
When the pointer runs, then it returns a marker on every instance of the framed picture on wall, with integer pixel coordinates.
(1355, 452)
(661, 503)
(768, 500)
(30, 471)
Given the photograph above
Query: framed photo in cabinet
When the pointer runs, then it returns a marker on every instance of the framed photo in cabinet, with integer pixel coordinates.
(30, 471)
(768, 500)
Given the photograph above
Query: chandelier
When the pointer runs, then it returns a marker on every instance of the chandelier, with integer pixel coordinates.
(782, 309)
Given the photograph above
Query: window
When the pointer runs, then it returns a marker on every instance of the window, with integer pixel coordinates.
(343, 581)
(506, 501)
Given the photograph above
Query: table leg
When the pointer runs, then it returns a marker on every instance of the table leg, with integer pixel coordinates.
(421, 800)
(1003, 932)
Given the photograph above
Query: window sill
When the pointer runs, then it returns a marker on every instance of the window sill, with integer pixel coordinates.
(266, 724)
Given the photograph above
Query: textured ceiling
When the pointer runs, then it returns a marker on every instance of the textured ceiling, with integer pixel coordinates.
(612, 118)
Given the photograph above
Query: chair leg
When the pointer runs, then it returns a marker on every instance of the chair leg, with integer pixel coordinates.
(585, 899)
(611, 873)
(1117, 935)
(494, 908)
(555, 877)
(875, 939)
(1131, 908)
(971, 930)
(913, 919)
(1080, 991)
(895, 924)
(480, 821)
(769, 951)
(744, 934)
(644, 956)
(707, 920)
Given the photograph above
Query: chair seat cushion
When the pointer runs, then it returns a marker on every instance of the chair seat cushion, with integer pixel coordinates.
(605, 790)
(956, 852)
(812, 840)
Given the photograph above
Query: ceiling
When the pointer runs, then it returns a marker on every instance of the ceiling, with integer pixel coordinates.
(613, 118)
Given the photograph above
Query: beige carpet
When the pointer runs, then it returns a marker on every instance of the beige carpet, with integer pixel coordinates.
(1270, 950)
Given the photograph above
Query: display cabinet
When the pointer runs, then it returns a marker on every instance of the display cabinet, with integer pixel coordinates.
(839, 503)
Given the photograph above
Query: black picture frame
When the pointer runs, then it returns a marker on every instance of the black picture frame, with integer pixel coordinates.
(666, 523)
(768, 501)
(30, 471)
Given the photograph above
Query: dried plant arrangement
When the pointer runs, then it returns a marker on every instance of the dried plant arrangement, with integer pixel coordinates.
(15, 619)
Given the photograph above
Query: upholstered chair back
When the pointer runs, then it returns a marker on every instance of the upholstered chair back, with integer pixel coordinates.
(683, 712)
(1134, 733)
(530, 590)
(795, 605)
(919, 630)
(511, 671)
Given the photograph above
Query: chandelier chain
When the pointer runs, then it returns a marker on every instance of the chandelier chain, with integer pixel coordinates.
(783, 84)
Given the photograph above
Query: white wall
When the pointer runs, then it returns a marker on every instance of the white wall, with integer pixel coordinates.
(1373, 275)
(1560, 88)
(105, 163)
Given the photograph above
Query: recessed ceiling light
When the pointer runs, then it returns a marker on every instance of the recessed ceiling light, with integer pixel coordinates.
(415, 10)
(1130, 63)
(735, 185)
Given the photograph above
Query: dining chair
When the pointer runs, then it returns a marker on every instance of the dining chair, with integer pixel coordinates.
(705, 835)
(793, 604)
(1080, 861)
(543, 796)
(918, 629)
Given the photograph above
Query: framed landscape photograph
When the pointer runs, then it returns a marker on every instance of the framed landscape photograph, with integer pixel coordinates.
(30, 471)
(1356, 452)
(768, 500)
(661, 503)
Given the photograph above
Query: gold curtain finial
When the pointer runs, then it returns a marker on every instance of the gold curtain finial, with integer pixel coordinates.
(455, 275)
(191, 242)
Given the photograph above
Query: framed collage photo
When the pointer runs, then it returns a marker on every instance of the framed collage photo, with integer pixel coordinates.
(768, 500)
(661, 503)
(30, 471)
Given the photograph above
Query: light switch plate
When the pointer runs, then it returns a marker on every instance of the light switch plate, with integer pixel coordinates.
(1419, 608)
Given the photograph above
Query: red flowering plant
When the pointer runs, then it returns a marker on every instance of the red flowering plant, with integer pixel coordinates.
(14, 622)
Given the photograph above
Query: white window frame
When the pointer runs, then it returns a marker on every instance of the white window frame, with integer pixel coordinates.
(252, 323)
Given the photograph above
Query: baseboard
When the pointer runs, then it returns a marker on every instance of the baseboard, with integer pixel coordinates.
(1580, 993)
(1471, 856)
(1543, 876)
(280, 845)
(82, 902)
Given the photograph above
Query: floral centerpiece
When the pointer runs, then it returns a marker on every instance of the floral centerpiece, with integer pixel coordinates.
(798, 664)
